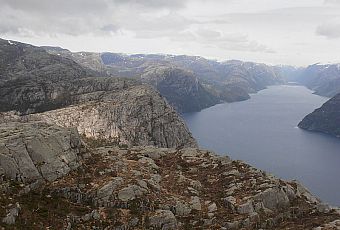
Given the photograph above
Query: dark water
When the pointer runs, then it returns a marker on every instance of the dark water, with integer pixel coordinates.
(262, 131)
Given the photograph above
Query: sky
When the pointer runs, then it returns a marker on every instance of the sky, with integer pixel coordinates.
(291, 32)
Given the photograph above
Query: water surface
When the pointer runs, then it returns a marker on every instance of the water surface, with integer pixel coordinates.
(262, 131)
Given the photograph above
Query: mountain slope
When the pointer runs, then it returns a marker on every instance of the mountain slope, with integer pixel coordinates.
(122, 110)
(216, 81)
(325, 119)
(181, 88)
(231, 76)
(324, 79)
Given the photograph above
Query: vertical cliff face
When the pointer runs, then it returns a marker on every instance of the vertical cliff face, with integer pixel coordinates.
(325, 119)
(135, 116)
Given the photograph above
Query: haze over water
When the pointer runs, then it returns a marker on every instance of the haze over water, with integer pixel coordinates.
(263, 132)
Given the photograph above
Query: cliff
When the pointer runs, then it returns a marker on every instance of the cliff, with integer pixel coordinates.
(325, 119)
(134, 116)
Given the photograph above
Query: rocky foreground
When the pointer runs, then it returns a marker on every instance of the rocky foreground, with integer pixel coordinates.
(50, 179)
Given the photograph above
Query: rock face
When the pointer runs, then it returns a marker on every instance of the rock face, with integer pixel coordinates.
(160, 188)
(135, 116)
(325, 119)
(35, 151)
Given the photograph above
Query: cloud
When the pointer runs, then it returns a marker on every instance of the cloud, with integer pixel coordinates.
(332, 2)
(329, 30)
(155, 4)
(79, 17)
(209, 34)
(213, 28)
(229, 41)
(221, 41)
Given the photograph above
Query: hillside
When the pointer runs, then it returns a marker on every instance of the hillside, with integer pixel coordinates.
(324, 79)
(325, 119)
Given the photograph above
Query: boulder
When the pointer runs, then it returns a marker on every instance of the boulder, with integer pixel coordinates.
(196, 203)
(35, 151)
(131, 192)
(246, 208)
(106, 191)
(12, 214)
(163, 219)
(273, 198)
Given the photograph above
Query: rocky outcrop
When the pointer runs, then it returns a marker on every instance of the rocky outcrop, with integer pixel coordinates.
(325, 119)
(34, 151)
(135, 116)
(160, 188)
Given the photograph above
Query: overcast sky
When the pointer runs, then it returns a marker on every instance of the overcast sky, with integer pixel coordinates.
(295, 32)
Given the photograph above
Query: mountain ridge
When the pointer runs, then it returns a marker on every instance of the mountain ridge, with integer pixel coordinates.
(216, 80)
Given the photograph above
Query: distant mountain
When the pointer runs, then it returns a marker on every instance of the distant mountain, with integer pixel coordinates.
(289, 73)
(180, 87)
(225, 78)
(324, 79)
(32, 80)
(325, 119)
(208, 82)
